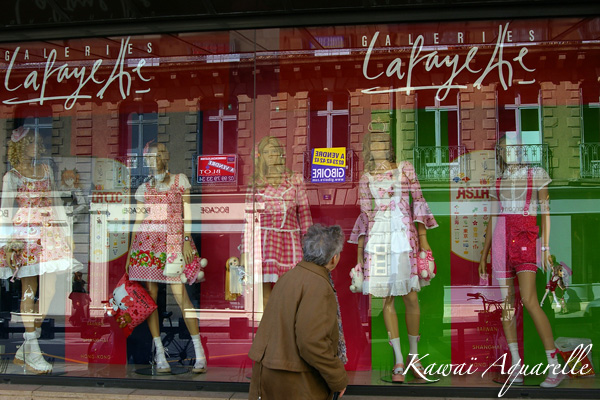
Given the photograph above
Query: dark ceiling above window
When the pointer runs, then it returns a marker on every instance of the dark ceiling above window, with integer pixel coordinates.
(52, 19)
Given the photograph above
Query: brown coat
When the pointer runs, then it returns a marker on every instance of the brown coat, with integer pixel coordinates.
(298, 336)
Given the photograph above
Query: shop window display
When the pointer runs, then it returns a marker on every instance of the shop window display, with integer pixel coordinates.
(269, 131)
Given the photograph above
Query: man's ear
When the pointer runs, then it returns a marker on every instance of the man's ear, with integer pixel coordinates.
(335, 259)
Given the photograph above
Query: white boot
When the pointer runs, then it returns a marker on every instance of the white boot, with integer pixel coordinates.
(31, 354)
(162, 366)
(19, 357)
(200, 364)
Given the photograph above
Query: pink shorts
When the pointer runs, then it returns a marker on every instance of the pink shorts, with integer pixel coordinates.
(514, 246)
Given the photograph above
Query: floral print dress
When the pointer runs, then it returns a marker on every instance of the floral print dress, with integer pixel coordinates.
(161, 230)
(387, 220)
(38, 223)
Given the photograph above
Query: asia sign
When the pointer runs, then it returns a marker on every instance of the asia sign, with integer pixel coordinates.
(220, 168)
(328, 165)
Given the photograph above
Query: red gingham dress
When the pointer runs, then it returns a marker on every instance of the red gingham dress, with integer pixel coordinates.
(164, 223)
(285, 218)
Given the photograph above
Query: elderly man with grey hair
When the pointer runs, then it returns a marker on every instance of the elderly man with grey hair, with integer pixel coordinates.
(299, 348)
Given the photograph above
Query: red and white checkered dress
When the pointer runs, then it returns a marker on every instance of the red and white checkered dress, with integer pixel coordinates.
(285, 218)
(163, 225)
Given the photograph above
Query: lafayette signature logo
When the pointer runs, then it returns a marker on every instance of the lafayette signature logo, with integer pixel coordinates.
(121, 75)
(454, 64)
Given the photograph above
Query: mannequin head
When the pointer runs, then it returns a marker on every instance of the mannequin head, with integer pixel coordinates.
(270, 158)
(156, 157)
(377, 149)
(23, 145)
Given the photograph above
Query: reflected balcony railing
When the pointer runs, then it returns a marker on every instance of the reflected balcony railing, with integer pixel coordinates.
(589, 159)
(441, 163)
(532, 155)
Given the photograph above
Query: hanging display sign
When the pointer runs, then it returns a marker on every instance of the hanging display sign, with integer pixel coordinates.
(220, 168)
(328, 165)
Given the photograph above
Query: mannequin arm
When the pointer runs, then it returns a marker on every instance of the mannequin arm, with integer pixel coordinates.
(360, 253)
(486, 247)
(188, 253)
(423, 243)
(545, 222)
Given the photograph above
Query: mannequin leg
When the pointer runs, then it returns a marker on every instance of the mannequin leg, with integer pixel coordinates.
(153, 322)
(507, 289)
(390, 317)
(413, 319)
(267, 288)
(29, 353)
(391, 323)
(529, 297)
(29, 286)
(47, 291)
(184, 302)
(162, 365)
(509, 325)
(413, 313)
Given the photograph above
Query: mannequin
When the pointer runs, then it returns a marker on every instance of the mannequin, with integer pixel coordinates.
(167, 196)
(511, 234)
(286, 216)
(40, 242)
(389, 242)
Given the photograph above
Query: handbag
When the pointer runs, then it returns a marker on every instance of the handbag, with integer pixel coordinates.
(426, 268)
(130, 304)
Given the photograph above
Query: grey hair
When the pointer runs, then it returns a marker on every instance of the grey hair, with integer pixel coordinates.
(321, 243)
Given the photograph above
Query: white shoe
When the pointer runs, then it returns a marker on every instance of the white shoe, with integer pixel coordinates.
(160, 361)
(19, 357)
(200, 364)
(553, 381)
(30, 354)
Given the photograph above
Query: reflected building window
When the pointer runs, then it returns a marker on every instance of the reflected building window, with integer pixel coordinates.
(519, 121)
(589, 148)
(140, 125)
(329, 126)
(438, 137)
(217, 128)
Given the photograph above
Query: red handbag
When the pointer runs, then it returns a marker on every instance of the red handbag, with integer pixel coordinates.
(130, 304)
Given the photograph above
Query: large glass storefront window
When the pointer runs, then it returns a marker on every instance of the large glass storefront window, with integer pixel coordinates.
(156, 187)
